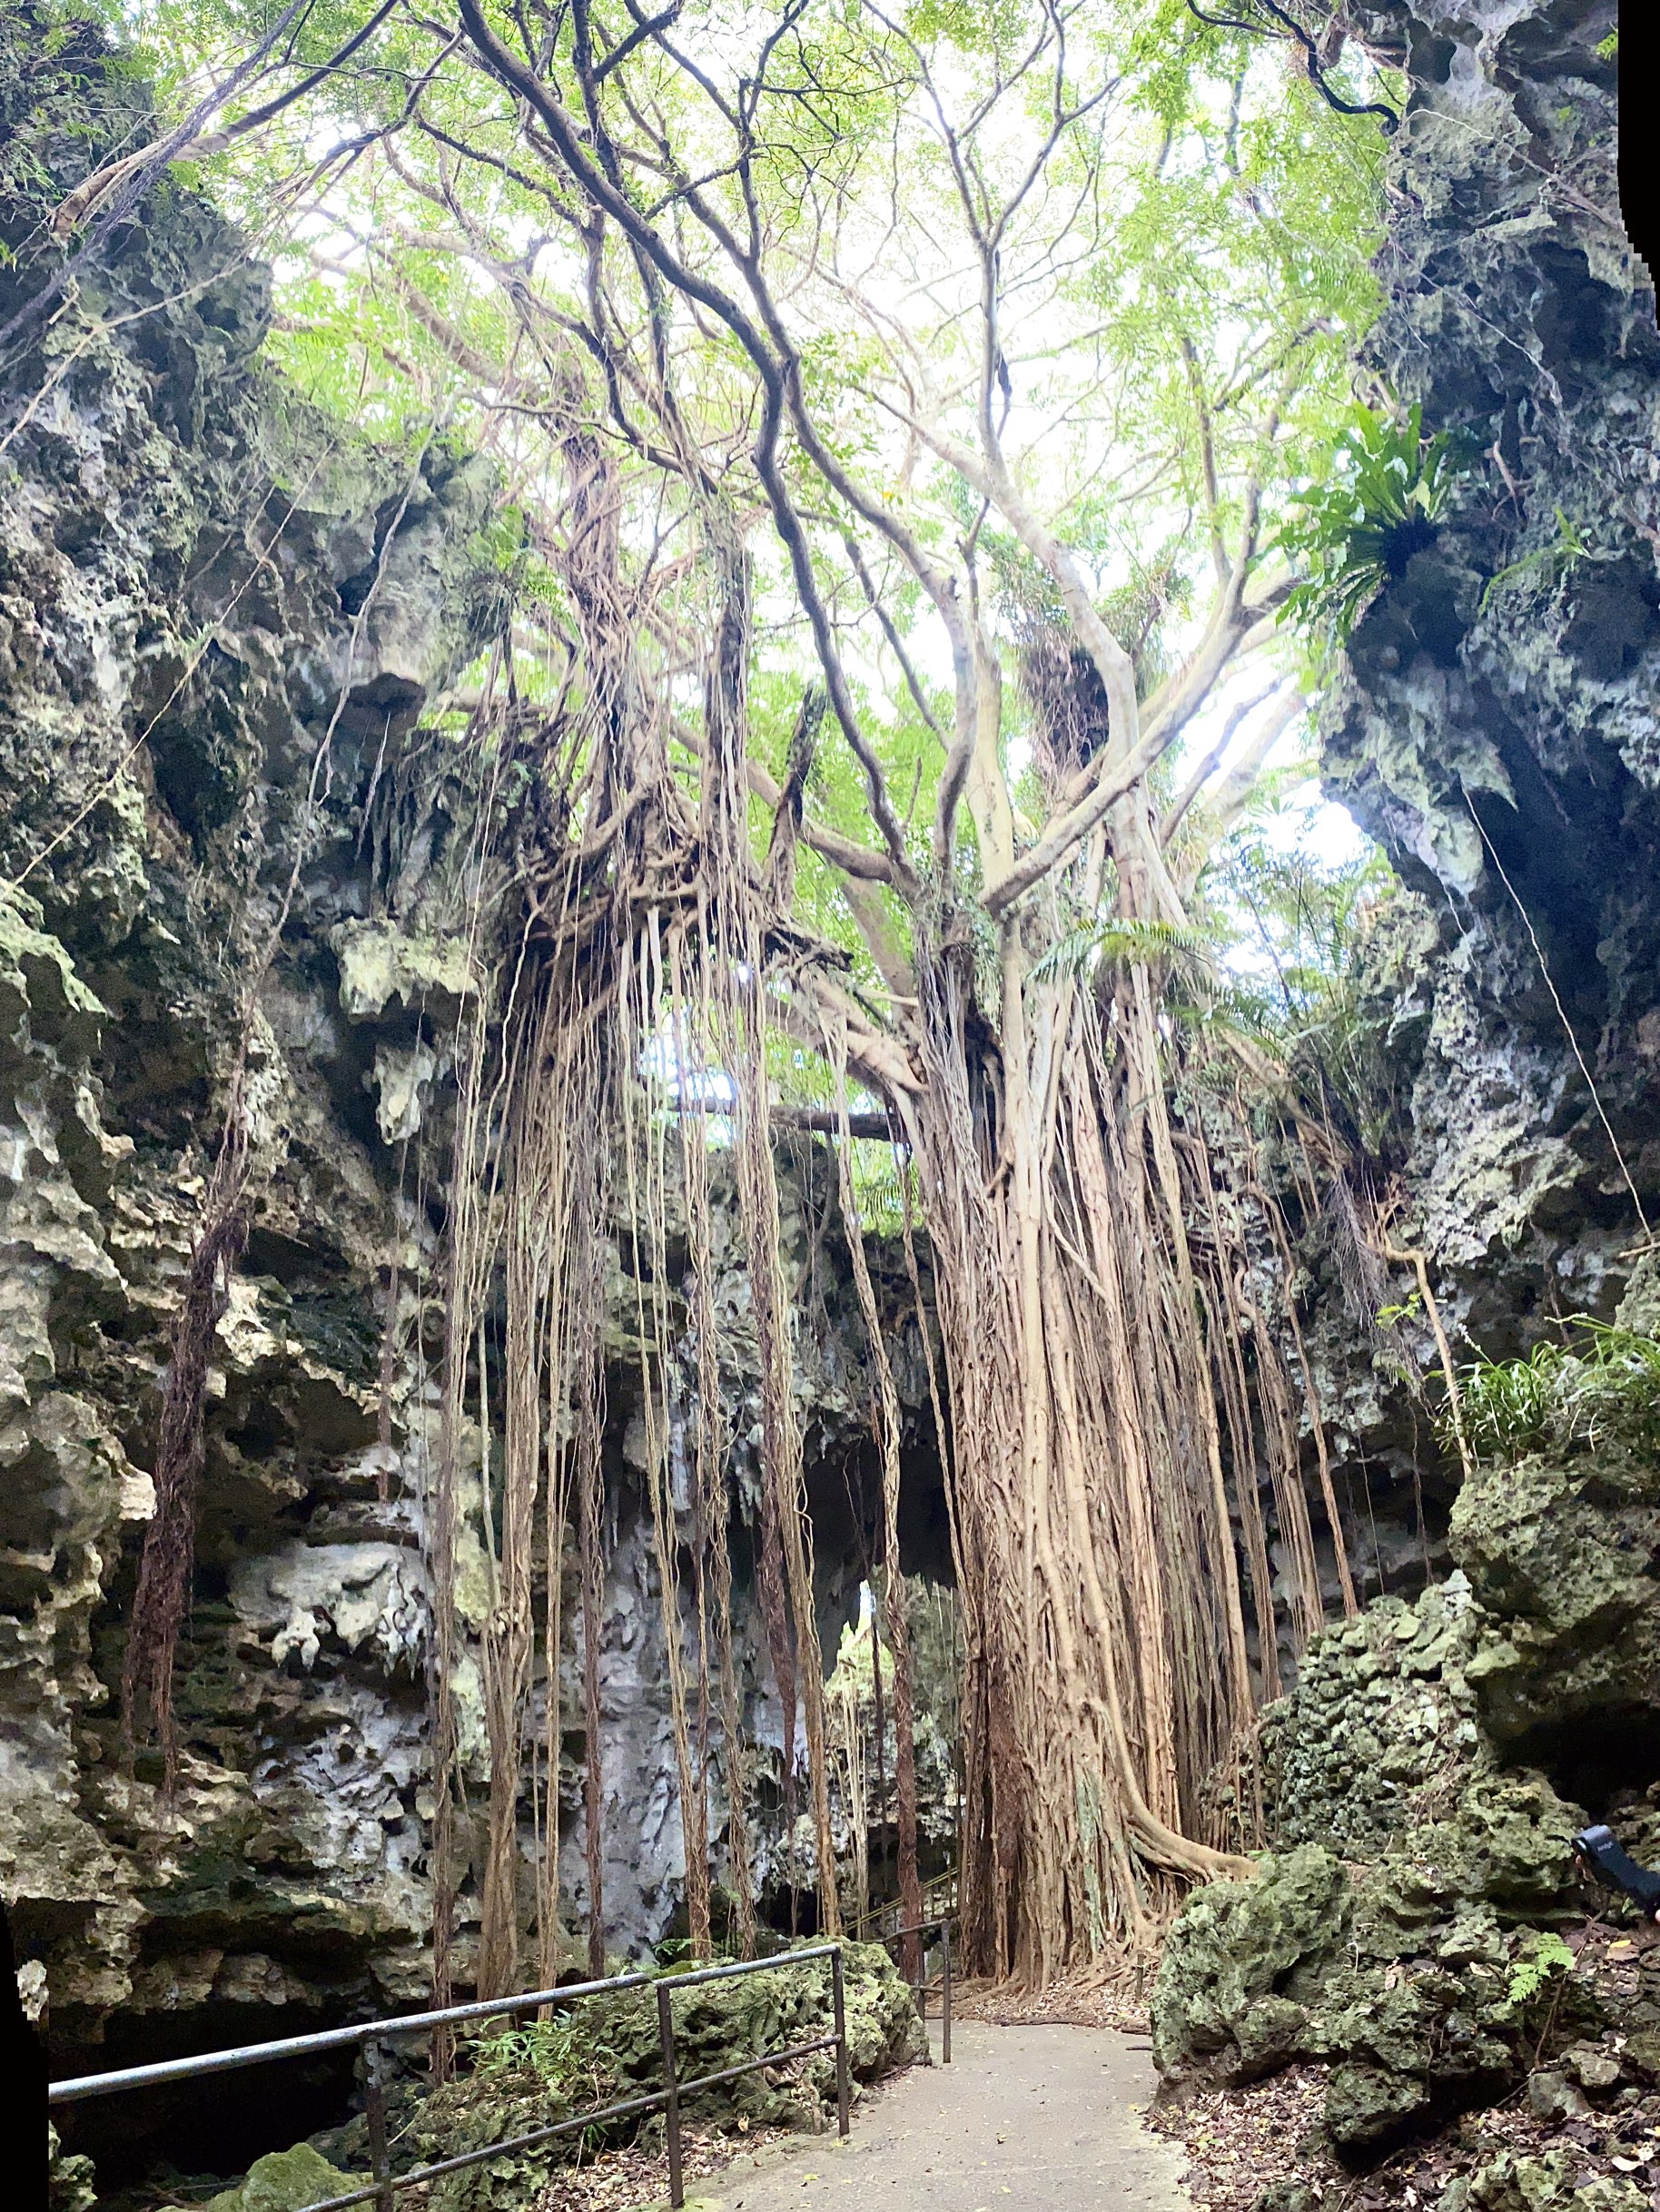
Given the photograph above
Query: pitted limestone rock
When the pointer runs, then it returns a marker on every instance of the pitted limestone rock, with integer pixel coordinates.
(1379, 1709)
(1408, 1963)
(358, 1595)
(1510, 2183)
(1561, 1552)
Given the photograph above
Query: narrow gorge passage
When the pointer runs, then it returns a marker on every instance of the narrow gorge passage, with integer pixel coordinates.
(829, 1103)
(1036, 2118)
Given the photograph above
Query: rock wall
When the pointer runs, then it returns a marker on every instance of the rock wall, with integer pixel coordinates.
(1493, 723)
(213, 609)
(1423, 1785)
(240, 820)
(1496, 727)
(1497, 716)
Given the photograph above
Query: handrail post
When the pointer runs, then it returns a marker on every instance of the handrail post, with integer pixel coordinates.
(671, 2095)
(374, 2112)
(945, 1996)
(839, 1997)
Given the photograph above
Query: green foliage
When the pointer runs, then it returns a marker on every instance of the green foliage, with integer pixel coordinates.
(1547, 563)
(71, 2186)
(675, 1955)
(1087, 950)
(1190, 258)
(850, 1679)
(805, 1078)
(1604, 1384)
(1507, 1404)
(1354, 530)
(607, 2050)
(1291, 930)
(1542, 1958)
(569, 2054)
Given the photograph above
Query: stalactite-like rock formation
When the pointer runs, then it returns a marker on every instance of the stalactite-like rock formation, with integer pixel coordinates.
(180, 563)
(1499, 718)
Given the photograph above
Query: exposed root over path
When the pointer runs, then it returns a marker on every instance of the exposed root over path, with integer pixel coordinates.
(1075, 2000)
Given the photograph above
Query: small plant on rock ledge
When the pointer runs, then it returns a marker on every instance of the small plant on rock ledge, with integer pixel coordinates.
(1605, 1386)
(1355, 531)
(1542, 1958)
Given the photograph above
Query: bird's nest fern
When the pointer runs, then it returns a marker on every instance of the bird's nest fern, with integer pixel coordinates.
(1356, 529)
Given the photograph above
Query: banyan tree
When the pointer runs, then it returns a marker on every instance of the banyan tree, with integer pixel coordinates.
(894, 411)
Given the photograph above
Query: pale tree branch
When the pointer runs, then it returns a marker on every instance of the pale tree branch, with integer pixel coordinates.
(1226, 799)
(1234, 790)
(1205, 765)
(90, 194)
(590, 175)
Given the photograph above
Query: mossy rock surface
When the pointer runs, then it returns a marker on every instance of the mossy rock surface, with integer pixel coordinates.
(1381, 1714)
(71, 2183)
(1561, 1554)
(284, 2181)
(605, 2051)
(1238, 1954)
(1417, 1783)
(1413, 1950)
(1513, 2184)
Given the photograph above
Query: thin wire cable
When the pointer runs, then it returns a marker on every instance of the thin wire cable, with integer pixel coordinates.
(1562, 1014)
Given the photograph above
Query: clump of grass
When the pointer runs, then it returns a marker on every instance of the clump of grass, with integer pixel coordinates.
(1508, 1404)
(1603, 1384)
(568, 2053)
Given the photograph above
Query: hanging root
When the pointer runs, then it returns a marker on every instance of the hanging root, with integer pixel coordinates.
(162, 1600)
(894, 1612)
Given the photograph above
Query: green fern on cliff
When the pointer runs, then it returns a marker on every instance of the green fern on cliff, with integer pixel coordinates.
(1357, 529)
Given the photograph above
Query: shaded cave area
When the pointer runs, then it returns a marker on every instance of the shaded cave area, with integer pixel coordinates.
(289, 1892)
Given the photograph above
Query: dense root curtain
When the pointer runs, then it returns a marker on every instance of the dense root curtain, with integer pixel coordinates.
(1111, 1401)
(643, 942)
(1109, 1682)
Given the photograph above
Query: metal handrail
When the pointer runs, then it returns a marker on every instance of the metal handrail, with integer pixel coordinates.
(371, 2034)
(945, 1922)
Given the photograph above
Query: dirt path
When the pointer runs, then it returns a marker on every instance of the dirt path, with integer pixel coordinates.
(1024, 2119)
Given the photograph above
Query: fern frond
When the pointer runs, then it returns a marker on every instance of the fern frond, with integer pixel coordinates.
(1117, 943)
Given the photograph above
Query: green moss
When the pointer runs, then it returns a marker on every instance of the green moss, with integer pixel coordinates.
(1423, 1971)
(1240, 1943)
(1559, 1553)
(1513, 2184)
(71, 2185)
(283, 2181)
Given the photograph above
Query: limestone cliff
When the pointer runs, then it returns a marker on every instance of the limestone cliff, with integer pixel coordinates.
(1493, 723)
(217, 615)
(1494, 726)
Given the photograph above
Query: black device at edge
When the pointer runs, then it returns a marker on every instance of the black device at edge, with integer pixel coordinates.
(1607, 1862)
